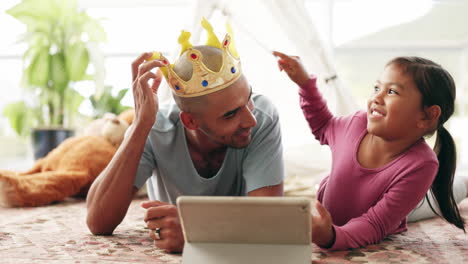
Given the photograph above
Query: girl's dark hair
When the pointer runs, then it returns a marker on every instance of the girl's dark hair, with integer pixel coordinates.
(437, 88)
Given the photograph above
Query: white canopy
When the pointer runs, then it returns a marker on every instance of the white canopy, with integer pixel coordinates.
(261, 26)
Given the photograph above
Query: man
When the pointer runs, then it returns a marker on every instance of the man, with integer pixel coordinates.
(220, 139)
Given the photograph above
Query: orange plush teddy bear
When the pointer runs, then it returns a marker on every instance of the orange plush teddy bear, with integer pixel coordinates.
(69, 169)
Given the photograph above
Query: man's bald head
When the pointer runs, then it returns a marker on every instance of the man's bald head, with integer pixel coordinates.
(212, 58)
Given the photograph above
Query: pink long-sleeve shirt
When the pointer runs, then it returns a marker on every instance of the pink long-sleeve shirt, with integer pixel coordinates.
(366, 205)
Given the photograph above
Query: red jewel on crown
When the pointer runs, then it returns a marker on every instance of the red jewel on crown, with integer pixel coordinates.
(193, 55)
(226, 42)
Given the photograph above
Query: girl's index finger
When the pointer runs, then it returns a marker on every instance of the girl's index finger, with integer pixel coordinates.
(280, 54)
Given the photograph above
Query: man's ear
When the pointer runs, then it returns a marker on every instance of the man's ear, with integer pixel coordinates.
(431, 117)
(189, 120)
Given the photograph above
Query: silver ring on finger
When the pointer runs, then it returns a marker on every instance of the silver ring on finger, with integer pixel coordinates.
(157, 233)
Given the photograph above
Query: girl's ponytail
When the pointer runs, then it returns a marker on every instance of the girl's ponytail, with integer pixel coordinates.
(442, 186)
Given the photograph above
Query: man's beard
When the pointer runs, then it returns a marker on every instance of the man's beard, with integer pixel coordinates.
(232, 143)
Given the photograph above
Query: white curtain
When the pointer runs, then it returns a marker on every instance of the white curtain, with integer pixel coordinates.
(299, 27)
(261, 26)
(296, 25)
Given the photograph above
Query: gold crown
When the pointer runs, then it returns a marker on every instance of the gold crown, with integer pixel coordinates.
(204, 80)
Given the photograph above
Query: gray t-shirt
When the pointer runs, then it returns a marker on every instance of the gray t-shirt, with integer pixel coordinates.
(168, 169)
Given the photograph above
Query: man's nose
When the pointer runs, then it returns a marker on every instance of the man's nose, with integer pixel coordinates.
(248, 119)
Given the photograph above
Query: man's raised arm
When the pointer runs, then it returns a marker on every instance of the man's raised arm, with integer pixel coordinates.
(111, 193)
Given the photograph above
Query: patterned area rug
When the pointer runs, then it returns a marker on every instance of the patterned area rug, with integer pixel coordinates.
(58, 234)
(428, 241)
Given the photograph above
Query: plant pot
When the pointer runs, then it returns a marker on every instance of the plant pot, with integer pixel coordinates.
(46, 139)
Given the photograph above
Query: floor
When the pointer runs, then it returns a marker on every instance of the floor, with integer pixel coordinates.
(58, 234)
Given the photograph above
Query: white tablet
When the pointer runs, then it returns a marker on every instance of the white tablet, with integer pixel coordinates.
(245, 229)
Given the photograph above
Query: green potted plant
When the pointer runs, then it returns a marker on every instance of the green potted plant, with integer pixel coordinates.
(58, 36)
(104, 102)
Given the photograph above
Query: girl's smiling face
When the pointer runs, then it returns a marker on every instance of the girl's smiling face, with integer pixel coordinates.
(395, 106)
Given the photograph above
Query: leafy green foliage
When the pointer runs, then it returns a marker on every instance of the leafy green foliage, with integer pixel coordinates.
(107, 103)
(57, 57)
(21, 117)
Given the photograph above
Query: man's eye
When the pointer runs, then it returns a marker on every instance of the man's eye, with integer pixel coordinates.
(376, 88)
(230, 116)
(391, 91)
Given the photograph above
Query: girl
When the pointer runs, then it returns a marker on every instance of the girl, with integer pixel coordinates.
(382, 167)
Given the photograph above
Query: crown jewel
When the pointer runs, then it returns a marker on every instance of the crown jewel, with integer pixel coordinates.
(203, 80)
